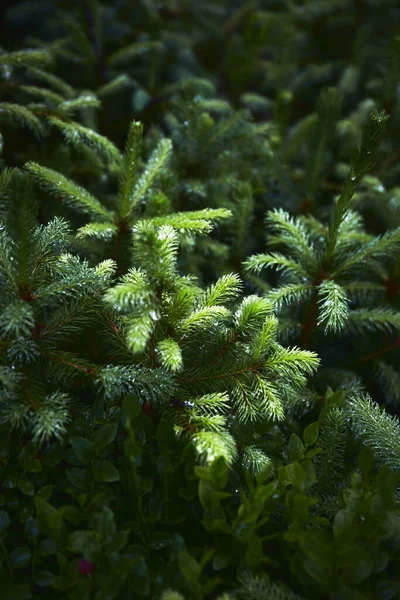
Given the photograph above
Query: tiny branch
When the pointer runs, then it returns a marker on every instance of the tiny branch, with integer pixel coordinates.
(54, 357)
(252, 369)
(311, 319)
(32, 402)
(379, 353)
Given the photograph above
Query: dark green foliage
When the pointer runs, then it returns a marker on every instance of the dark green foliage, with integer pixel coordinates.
(199, 300)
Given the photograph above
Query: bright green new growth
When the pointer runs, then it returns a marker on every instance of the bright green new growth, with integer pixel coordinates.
(154, 313)
(328, 111)
(318, 259)
(245, 376)
(138, 187)
(362, 162)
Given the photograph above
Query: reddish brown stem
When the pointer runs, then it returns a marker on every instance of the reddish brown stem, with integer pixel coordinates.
(311, 322)
(124, 230)
(225, 349)
(392, 287)
(31, 400)
(252, 368)
(378, 353)
(56, 358)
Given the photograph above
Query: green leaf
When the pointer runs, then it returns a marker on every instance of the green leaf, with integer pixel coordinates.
(26, 487)
(311, 432)
(298, 475)
(43, 578)
(47, 547)
(312, 452)
(220, 561)
(366, 459)
(206, 494)
(219, 472)
(105, 435)
(118, 542)
(84, 542)
(131, 407)
(19, 557)
(71, 514)
(319, 570)
(83, 449)
(79, 478)
(342, 522)
(104, 470)
(35, 466)
(284, 475)
(165, 435)
(49, 519)
(32, 528)
(173, 595)
(309, 470)
(140, 577)
(4, 521)
(105, 523)
(189, 567)
(358, 572)
(296, 448)
(45, 492)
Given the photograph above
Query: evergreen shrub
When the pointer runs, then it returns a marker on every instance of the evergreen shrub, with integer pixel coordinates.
(199, 300)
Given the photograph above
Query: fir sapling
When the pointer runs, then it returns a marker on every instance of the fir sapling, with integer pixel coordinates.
(245, 377)
(333, 276)
(141, 193)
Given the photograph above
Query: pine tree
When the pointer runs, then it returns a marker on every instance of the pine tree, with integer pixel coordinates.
(184, 413)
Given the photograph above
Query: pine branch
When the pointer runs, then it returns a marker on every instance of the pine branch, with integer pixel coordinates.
(155, 166)
(25, 58)
(130, 167)
(362, 162)
(259, 261)
(376, 429)
(330, 462)
(73, 195)
(78, 135)
(375, 319)
(329, 107)
(133, 50)
(333, 309)
(11, 113)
